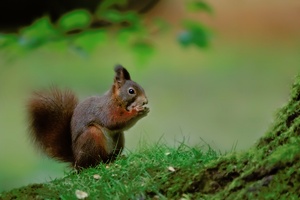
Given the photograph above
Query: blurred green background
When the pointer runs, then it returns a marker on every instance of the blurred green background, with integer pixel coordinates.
(225, 95)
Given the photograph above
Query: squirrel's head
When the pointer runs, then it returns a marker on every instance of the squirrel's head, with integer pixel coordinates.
(128, 92)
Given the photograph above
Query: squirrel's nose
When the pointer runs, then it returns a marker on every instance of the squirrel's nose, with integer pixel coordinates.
(145, 101)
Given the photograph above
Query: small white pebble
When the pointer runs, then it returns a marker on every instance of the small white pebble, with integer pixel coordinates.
(171, 169)
(81, 194)
(96, 176)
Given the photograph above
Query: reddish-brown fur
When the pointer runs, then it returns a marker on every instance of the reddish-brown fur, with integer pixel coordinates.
(120, 115)
(50, 115)
(91, 145)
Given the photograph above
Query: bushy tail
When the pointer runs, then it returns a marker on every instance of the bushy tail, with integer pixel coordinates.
(50, 116)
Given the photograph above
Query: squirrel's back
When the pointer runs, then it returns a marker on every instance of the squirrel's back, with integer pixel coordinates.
(50, 113)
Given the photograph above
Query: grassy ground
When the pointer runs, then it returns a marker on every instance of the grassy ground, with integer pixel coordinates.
(139, 175)
(268, 170)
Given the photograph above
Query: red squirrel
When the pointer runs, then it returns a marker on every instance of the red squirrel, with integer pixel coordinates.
(92, 131)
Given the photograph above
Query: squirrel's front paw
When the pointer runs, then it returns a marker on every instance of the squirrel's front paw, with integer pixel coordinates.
(142, 110)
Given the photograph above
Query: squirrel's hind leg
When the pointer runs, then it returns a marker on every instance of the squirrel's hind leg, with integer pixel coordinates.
(90, 148)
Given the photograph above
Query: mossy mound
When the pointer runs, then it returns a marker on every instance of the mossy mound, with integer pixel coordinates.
(268, 170)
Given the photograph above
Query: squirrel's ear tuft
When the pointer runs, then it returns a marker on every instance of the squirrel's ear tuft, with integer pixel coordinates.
(121, 75)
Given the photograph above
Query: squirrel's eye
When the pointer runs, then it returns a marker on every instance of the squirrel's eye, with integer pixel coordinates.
(131, 91)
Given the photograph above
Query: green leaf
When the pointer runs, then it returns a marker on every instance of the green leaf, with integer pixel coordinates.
(89, 40)
(75, 20)
(114, 16)
(200, 6)
(185, 38)
(7, 40)
(40, 32)
(194, 33)
(107, 4)
(132, 17)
